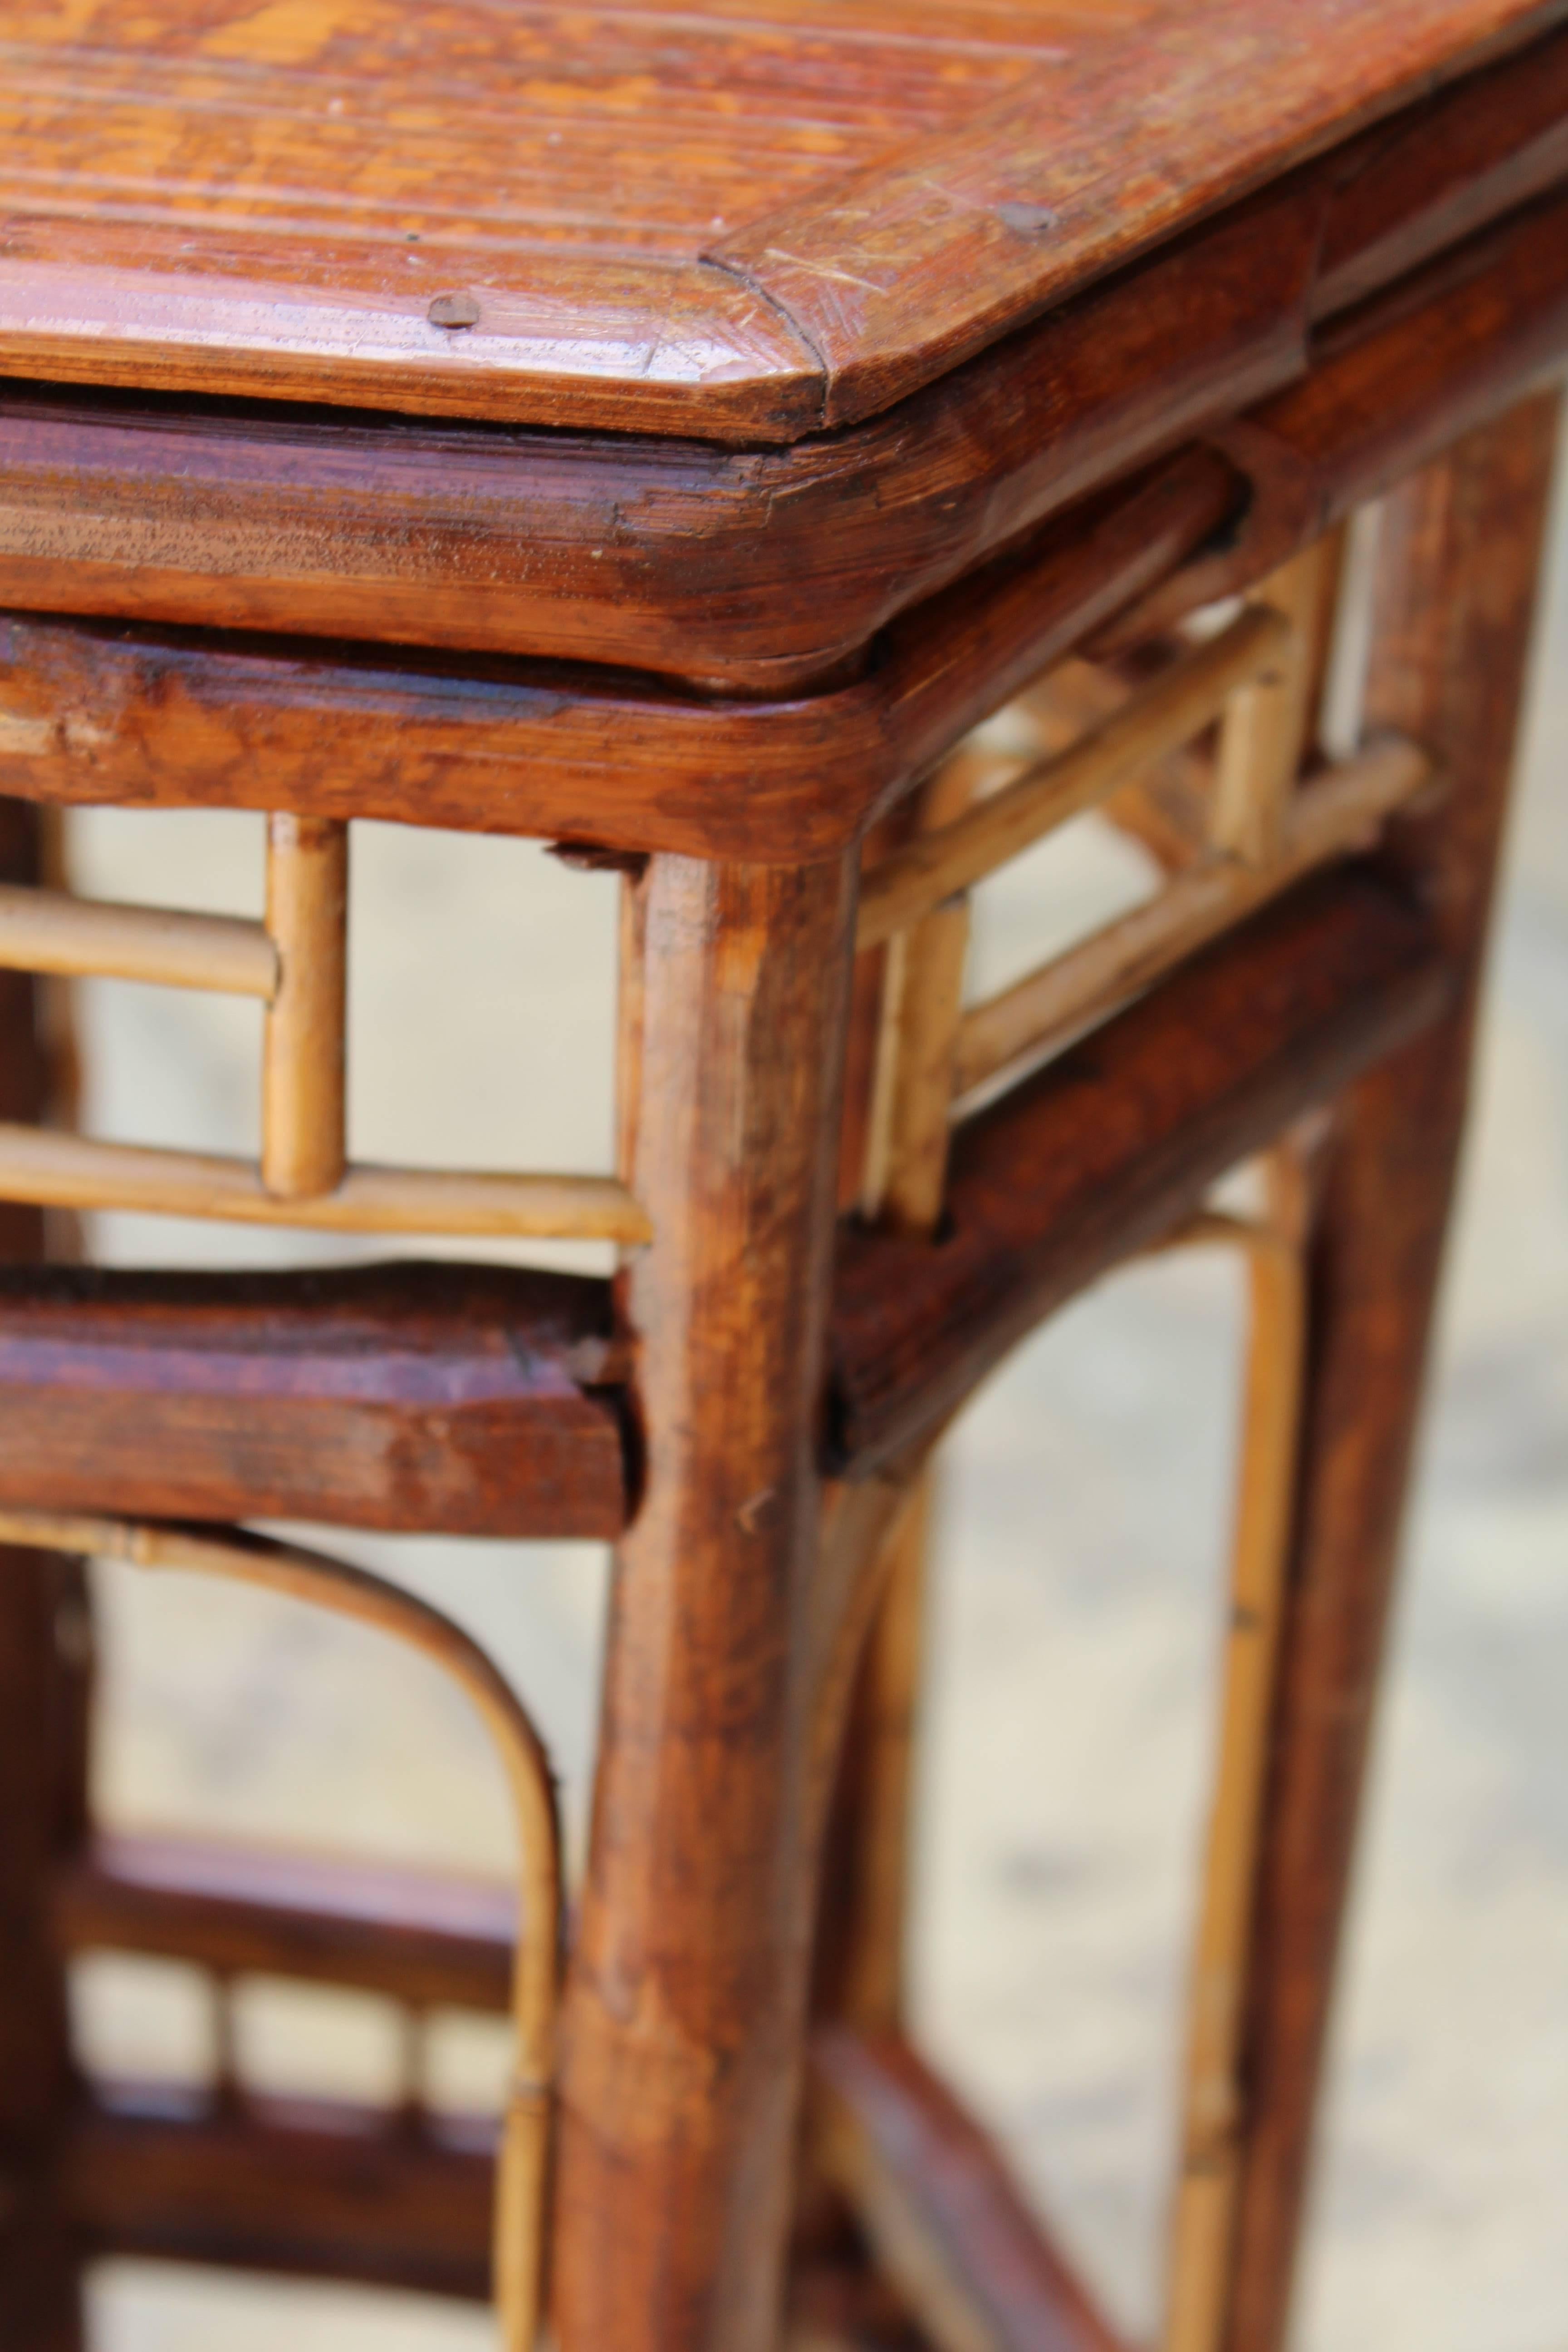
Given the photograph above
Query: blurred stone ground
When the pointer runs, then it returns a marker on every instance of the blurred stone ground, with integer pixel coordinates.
(1074, 1633)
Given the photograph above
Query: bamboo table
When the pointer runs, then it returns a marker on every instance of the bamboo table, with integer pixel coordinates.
(672, 435)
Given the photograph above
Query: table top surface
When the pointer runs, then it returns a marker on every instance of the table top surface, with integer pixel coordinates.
(738, 219)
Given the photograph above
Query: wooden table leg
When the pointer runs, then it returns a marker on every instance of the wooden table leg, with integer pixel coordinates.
(686, 1994)
(44, 1646)
(1458, 557)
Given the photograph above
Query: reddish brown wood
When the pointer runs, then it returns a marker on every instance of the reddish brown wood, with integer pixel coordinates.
(1428, 178)
(45, 1663)
(673, 221)
(1395, 384)
(753, 569)
(228, 210)
(1113, 1143)
(682, 2023)
(308, 2188)
(935, 2195)
(428, 1939)
(91, 714)
(799, 551)
(442, 1397)
(907, 270)
(1458, 568)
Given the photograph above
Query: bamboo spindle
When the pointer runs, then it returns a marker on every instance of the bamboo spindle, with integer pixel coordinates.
(71, 1171)
(1156, 721)
(1204, 2213)
(1267, 734)
(302, 1119)
(52, 932)
(1339, 812)
(905, 1160)
(523, 2169)
(905, 1179)
(1269, 725)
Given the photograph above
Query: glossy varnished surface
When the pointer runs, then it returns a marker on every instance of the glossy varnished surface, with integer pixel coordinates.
(740, 220)
(764, 569)
(273, 195)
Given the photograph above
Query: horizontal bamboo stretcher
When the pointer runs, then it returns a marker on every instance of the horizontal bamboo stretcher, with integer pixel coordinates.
(522, 2163)
(296, 962)
(66, 1172)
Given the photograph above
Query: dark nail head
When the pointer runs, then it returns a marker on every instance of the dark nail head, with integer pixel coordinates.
(1026, 220)
(454, 310)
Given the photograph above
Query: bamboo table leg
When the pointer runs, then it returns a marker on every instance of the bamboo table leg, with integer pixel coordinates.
(686, 1994)
(43, 1744)
(1457, 564)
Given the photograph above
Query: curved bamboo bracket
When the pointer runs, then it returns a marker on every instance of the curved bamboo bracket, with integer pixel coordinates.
(523, 2173)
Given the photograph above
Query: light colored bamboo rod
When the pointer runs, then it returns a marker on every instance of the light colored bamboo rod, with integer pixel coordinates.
(872, 1994)
(1340, 812)
(878, 1149)
(68, 1171)
(922, 1004)
(1269, 724)
(303, 1115)
(926, 1019)
(1152, 722)
(905, 1180)
(522, 2171)
(1203, 2211)
(52, 932)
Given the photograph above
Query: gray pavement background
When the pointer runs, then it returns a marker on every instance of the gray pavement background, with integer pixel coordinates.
(1074, 1633)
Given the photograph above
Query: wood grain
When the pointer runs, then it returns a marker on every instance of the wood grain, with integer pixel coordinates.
(715, 222)
(686, 1989)
(756, 571)
(900, 274)
(756, 568)
(268, 200)
(1394, 383)
(88, 714)
(1115, 1142)
(443, 1398)
(1459, 560)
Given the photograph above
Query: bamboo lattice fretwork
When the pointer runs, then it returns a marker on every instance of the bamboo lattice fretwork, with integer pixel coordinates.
(295, 963)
